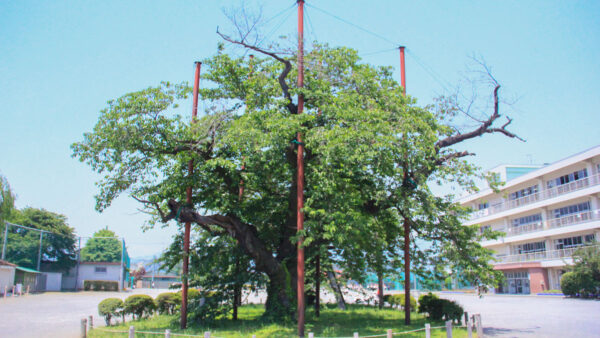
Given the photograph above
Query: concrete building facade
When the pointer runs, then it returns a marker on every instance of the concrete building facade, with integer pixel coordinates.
(546, 213)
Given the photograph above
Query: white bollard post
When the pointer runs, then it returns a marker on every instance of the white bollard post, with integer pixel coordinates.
(311, 335)
(389, 333)
(91, 322)
(448, 329)
(5, 290)
(83, 327)
(167, 333)
(356, 335)
(479, 326)
(206, 334)
(131, 332)
(253, 336)
(427, 330)
(469, 329)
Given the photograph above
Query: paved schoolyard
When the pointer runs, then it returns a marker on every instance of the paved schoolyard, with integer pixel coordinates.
(55, 314)
(533, 316)
(58, 314)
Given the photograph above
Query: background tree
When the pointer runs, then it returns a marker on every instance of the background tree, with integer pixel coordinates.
(138, 273)
(104, 246)
(7, 202)
(58, 241)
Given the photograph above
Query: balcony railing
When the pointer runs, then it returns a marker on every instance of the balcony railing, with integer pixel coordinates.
(523, 229)
(578, 218)
(541, 255)
(581, 217)
(541, 195)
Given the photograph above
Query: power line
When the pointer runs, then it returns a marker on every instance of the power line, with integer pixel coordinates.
(436, 77)
(355, 25)
(378, 52)
(268, 35)
(312, 29)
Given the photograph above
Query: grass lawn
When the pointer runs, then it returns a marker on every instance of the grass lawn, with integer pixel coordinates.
(332, 323)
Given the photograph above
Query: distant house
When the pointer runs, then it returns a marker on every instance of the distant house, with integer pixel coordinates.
(106, 271)
(7, 276)
(159, 281)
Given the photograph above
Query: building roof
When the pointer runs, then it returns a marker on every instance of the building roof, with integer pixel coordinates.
(7, 263)
(160, 276)
(27, 269)
(100, 263)
(581, 156)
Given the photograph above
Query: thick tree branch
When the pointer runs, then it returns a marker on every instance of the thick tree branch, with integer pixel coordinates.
(485, 127)
(281, 79)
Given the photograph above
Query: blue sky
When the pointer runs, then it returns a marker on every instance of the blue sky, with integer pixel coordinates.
(61, 61)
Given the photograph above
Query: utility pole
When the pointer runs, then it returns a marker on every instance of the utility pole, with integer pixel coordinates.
(406, 221)
(300, 172)
(122, 262)
(78, 262)
(39, 264)
(402, 70)
(5, 241)
(188, 226)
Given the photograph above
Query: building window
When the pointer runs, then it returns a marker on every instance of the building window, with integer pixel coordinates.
(568, 242)
(484, 228)
(529, 247)
(483, 205)
(527, 220)
(100, 270)
(574, 176)
(523, 192)
(571, 209)
(588, 239)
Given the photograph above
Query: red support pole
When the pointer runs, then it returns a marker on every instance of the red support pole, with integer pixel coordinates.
(188, 226)
(402, 70)
(300, 177)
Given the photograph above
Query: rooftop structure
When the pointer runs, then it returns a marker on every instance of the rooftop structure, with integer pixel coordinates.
(546, 214)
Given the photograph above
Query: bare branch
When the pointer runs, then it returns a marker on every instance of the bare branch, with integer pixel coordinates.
(153, 205)
(281, 79)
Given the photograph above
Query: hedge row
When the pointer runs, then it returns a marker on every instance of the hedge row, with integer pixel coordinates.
(143, 305)
(100, 285)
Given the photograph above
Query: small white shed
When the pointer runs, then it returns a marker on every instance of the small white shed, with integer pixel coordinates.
(7, 276)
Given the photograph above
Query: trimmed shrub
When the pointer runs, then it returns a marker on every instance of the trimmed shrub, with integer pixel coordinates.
(569, 284)
(139, 306)
(398, 300)
(168, 302)
(100, 285)
(110, 307)
(413, 302)
(425, 301)
(438, 309)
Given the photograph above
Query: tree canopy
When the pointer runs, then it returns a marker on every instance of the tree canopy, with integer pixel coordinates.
(104, 246)
(58, 239)
(370, 154)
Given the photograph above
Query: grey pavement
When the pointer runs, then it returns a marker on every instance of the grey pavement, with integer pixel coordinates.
(58, 314)
(533, 316)
(55, 314)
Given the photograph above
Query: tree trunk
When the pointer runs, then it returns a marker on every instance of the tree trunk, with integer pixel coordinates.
(337, 291)
(317, 285)
(406, 272)
(237, 291)
(380, 289)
